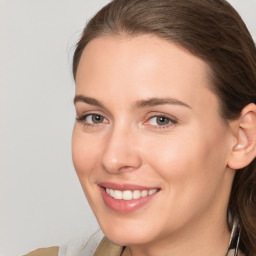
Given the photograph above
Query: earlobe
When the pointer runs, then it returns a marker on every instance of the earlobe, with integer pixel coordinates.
(244, 151)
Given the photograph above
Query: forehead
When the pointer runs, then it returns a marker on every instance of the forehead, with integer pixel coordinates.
(141, 66)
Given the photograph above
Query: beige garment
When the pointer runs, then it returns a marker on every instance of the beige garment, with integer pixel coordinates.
(51, 251)
(106, 247)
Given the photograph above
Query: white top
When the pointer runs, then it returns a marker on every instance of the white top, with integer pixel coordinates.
(82, 247)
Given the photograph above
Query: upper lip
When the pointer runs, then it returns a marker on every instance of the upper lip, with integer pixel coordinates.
(123, 187)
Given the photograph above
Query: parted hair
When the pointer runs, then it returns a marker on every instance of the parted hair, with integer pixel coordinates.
(213, 31)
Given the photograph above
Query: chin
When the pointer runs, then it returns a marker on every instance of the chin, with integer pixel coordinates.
(126, 240)
(127, 235)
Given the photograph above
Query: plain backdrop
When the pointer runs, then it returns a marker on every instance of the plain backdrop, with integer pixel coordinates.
(41, 201)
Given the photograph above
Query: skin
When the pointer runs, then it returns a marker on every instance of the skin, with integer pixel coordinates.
(186, 159)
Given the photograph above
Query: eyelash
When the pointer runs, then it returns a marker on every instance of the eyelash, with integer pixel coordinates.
(171, 121)
(82, 119)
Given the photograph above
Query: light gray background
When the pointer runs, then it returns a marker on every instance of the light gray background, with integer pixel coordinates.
(41, 202)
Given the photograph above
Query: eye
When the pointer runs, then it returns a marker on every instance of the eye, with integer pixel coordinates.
(92, 119)
(160, 121)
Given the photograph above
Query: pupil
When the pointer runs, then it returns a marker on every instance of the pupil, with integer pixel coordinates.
(162, 120)
(97, 119)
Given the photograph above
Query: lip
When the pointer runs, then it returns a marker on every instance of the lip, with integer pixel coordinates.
(125, 206)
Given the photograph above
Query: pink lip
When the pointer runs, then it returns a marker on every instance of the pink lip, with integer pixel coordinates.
(124, 206)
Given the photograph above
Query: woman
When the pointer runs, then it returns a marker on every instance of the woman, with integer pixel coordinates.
(164, 143)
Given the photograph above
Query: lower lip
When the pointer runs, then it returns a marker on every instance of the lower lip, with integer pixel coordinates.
(124, 206)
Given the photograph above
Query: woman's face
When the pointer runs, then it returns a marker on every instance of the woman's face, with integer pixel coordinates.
(149, 146)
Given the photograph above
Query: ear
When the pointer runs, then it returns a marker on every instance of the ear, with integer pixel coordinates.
(244, 149)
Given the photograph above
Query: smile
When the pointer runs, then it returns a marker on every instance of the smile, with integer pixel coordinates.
(125, 198)
(129, 194)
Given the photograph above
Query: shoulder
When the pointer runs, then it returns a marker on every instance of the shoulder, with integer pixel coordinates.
(51, 251)
(82, 245)
(97, 245)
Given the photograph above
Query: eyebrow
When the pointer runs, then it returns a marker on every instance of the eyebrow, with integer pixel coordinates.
(159, 101)
(151, 102)
(87, 100)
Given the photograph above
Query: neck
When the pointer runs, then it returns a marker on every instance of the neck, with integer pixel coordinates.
(212, 241)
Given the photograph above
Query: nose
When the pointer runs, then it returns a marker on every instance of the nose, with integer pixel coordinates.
(121, 152)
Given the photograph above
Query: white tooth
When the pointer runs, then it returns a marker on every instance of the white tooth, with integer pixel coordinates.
(144, 193)
(152, 191)
(136, 194)
(111, 192)
(127, 195)
(118, 194)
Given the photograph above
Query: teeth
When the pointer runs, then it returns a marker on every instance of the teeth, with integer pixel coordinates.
(111, 192)
(136, 194)
(118, 194)
(152, 191)
(128, 194)
(144, 193)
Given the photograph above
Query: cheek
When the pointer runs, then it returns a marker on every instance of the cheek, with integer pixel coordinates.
(191, 168)
(188, 162)
(172, 154)
(84, 153)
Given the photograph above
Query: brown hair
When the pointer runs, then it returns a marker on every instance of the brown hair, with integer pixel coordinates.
(213, 31)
